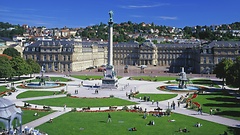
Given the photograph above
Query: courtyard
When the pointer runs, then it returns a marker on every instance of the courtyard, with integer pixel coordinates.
(93, 120)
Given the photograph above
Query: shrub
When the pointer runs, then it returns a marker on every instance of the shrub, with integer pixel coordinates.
(111, 96)
(62, 90)
(125, 108)
(168, 111)
(69, 95)
(74, 110)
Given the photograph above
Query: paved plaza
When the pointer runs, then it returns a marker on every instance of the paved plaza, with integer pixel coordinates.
(130, 85)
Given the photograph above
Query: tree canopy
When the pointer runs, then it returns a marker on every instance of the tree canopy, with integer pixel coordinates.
(11, 52)
(230, 70)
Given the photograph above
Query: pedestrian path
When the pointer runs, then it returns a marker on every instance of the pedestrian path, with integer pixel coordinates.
(131, 85)
(46, 118)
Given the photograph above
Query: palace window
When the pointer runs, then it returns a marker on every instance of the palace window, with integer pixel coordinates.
(50, 58)
(56, 57)
(69, 58)
(44, 57)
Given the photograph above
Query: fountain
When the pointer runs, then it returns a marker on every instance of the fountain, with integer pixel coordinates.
(42, 83)
(182, 83)
(182, 79)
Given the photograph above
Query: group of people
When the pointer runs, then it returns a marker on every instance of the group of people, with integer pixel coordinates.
(76, 91)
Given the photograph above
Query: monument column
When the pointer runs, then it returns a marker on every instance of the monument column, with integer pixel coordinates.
(110, 40)
(109, 76)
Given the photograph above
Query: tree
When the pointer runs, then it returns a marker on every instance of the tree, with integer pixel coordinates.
(222, 69)
(11, 52)
(154, 41)
(6, 70)
(34, 66)
(20, 66)
(233, 76)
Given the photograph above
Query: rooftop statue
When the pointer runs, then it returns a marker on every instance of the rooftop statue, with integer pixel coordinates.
(111, 16)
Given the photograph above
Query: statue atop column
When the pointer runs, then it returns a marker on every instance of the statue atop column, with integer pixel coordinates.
(109, 76)
(111, 16)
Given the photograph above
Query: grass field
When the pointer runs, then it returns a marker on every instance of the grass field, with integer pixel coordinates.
(206, 82)
(2, 89)
(83, 123)
(90, 77)
(87, 77)
(150, 78)
(82, 102)
(229, 106)
(28, 94)
(60, 79)
(157, 97)
(28, 116)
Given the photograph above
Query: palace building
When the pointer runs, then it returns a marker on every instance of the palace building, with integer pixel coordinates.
(59, 56)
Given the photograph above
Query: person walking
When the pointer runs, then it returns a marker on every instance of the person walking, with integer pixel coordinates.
(173, 105)
(64, 107)
(109, 118)
(211, 111)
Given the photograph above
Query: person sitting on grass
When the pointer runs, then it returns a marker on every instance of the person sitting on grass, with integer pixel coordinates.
(185, 130)
(132, 129)
(171, 120)
(151, 123)
(35, 114)
(51, 120)
(198, 124)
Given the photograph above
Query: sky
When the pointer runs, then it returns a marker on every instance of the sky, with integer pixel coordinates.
(83, 13)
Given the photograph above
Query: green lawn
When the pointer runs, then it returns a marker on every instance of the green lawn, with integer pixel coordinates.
(83, 123)
(60, 79)
(28, 94)
(87, 77)
(82, 102)
(150, 78)
(28, 116)
(90, 77)
(206, 82)
(2, 88)
(229, 106)
(157, 97)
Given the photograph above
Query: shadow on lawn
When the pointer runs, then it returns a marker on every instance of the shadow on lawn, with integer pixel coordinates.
(228, 113)
(222, 105)
(224, 99)
(212, 93)
(234, 130)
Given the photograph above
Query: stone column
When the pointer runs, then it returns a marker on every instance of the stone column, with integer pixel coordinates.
(110, 41)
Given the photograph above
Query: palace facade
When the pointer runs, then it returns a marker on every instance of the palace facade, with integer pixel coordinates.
(61, 56)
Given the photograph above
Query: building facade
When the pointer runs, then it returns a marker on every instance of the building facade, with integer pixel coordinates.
(59, 56)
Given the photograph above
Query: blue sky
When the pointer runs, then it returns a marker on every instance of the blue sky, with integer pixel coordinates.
(82, 13)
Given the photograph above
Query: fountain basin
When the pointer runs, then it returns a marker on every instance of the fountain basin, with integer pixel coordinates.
(175, 87)
(46, 85)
